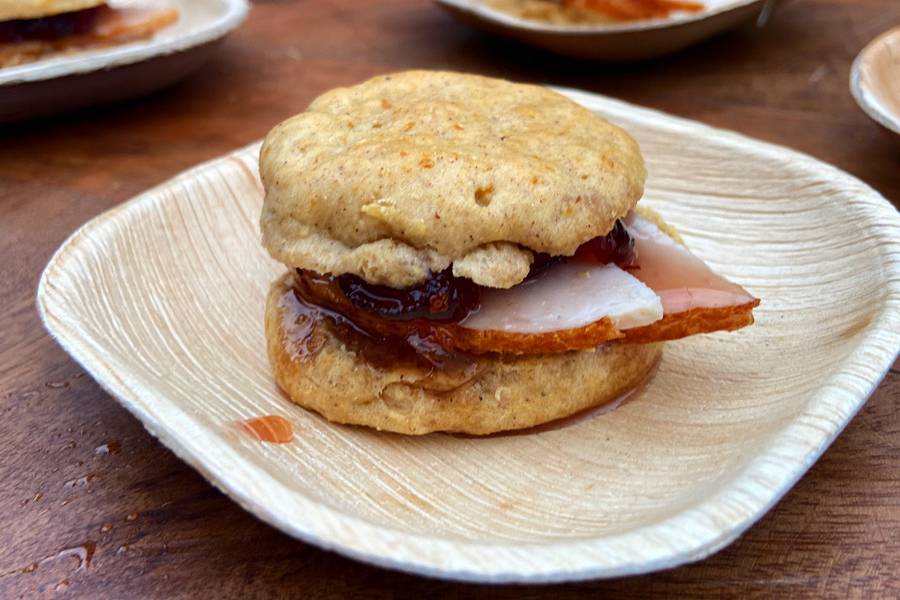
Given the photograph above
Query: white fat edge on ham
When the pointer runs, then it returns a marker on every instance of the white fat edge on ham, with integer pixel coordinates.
(681, 279)
(567, 296)
(669, 280)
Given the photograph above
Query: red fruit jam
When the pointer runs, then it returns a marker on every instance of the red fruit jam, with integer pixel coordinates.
(448, 299)
(617, 247)
(442, 297)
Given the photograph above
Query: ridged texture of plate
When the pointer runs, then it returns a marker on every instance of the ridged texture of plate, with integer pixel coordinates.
(162, 301)
(200, 21)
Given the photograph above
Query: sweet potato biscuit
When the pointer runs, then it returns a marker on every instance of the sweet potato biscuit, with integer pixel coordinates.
(35, 9)
(409, 173)
(322, 370)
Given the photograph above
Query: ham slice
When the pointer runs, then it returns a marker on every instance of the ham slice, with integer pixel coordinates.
(575, 305)
(682, 280)
(695, 299)
(569, 295)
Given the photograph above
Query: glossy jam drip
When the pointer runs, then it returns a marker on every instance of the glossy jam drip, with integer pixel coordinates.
(270, 428)
(54, 27)
(428, 364)
(300, 328)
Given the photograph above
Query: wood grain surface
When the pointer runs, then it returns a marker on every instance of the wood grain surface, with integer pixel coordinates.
(92, 506)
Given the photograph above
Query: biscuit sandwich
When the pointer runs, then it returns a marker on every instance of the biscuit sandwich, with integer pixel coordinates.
(467, 254)
(34, 29)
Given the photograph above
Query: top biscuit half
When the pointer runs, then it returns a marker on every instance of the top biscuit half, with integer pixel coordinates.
(410, 173)
(36, 9)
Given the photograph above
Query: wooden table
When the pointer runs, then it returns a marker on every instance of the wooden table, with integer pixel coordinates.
(91, 505)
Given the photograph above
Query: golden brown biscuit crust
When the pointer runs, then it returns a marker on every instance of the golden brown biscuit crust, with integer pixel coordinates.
(412, 172)
(321, 370)
(35, 9)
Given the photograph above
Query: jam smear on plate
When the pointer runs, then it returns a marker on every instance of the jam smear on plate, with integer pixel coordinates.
(270, 428)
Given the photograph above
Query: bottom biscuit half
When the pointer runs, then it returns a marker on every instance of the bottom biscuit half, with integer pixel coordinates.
(326, 365)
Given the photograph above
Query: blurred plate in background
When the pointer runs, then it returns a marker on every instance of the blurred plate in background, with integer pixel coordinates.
(875, 79)
(627, 40)
(79, 79)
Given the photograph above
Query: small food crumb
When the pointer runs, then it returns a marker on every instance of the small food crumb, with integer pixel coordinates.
(483, 195)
